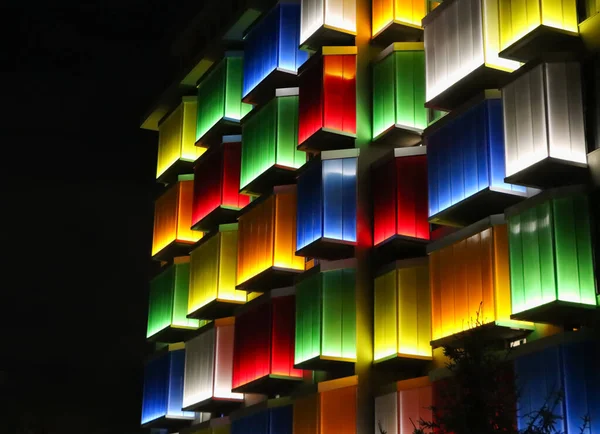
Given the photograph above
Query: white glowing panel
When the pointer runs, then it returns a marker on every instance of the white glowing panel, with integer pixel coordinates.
(386, 413)
(543, 116)
(336, 14)
(209, 366)
(459, 38)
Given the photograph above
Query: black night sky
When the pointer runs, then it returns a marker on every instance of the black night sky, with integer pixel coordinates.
(76, 200)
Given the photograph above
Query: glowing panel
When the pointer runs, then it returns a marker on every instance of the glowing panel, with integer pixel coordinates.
(399, 90)
(328, 95)
(569, 370)
(395, 412)
(551, 252)
(332, 14)
(519, 18)
(338, 410)
(168, 299)
(468, 27)
(177, 137)
(327, 200)
(407, 12)
(543, 117)
(209, 365)
(216, 182)
(326, 316)
(399, 192)
(272, 44)
(212, 270)
(465, 274)
(403, 311)
(270, 138)
(276, 420)
(173, 216)
(267, 235)
(465, 154)
(163, 388)
(220, 95)
(264, 341)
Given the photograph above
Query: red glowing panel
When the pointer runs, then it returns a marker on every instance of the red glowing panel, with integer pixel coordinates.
(400, 206)
(217, 181)
(264, 341)
(328, 96)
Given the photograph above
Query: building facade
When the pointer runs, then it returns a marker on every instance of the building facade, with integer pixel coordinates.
(349, 186)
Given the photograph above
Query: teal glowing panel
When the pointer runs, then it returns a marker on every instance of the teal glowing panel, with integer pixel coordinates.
(327, 202)
(273, 44)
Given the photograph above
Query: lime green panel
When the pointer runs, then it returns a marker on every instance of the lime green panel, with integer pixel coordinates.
(234, 107)
(308, 319)
(339, 313)
(410, 89)
(383, 95)
(258, 143)
(287, 133)
(180, 297)
(211, 99)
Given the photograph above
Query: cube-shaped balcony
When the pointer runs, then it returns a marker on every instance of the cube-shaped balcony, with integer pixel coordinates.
(397, 20)
(327, 22)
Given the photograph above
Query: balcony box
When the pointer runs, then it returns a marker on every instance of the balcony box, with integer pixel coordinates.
(273, 416)
(538, 26)
(331, 410)
(397, 20)
(544, 127)
(327, 117)
(399, 113)
(167, 321)
(271, 54)
(216, 186)
(560, 370)
(399, 190)
(589, 29)
(267, 242)
(469, 281)
(402, 404)
(263, 354)
(209, 369)
(163, 390)
(327, 22)
(269, 142)
(217, 425)
(326, 316)
(176, 139)
(172, 221)
(403, 314)
(551, 261)
(471, 28)
(466, 164)
(213, 263)
(220, 105)
(326, 222)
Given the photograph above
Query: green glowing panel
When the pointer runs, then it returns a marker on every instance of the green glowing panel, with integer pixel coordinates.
(551, 254)
(168, 300)
(399, 92)
(270, 137)
(326, 316)
(220, 96)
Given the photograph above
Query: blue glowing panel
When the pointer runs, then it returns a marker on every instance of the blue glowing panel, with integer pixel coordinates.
(327, 202)
(271, 44)
(570, 371)
(163, 388)
(466, 156)
(281, 421)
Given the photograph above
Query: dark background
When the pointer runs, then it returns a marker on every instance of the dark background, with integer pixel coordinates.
(76, 207)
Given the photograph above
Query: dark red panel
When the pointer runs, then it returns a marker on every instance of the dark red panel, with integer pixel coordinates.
(207, 185)
(412, 196)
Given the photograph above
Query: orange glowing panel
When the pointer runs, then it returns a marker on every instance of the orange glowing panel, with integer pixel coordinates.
(398, 18)
(470, 282)
(172, 220)
(267, 242)
(327, 102)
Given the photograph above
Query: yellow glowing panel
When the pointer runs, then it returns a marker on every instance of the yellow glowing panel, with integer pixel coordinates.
(173, 217)
(176, 137)
(212, 271)
(403, 312)
(520, 17)
(465, 274)
(408, 12)
(491, 37)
